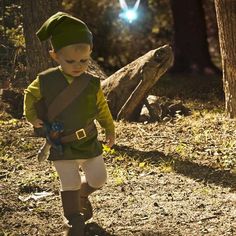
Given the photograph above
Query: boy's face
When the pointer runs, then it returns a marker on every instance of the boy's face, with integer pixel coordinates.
(73, 59)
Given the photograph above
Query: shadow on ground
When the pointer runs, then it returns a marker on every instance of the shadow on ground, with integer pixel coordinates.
(193, 170)
(93, 229)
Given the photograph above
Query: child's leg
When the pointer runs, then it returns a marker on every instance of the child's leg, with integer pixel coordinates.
(95, 172)
(95, 177)
(68, 171)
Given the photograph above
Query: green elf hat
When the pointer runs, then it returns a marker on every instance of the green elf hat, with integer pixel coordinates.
(63, 30)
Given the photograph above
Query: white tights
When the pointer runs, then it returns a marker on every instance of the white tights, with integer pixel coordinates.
(70, 177)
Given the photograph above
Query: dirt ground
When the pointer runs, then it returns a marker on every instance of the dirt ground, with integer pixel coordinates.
(176, 177)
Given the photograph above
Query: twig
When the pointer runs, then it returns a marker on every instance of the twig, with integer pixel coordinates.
(203, 219)
(149, 134)
(31, 156)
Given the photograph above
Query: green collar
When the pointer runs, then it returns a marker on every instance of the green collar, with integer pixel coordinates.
(68, 78)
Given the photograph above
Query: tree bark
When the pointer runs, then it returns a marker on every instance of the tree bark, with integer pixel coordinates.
(190, 38)
(127, 89)
(35, 12)
(226, 19)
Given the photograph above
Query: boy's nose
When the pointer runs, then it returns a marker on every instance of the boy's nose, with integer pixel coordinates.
(77, 65)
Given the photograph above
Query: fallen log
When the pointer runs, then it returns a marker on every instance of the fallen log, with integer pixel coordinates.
(127, 89)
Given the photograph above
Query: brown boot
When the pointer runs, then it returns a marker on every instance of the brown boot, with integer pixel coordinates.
(71, 206)
(85, 205)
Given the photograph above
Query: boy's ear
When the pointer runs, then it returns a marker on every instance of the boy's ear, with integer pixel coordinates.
(91, 49)
(53, 55)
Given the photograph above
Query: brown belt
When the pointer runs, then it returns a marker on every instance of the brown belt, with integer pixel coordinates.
(79, 134)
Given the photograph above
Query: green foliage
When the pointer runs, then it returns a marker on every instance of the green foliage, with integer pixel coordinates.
(16, 37)
(2, 233)
(11, 24)
(108, 150)
(12, 46)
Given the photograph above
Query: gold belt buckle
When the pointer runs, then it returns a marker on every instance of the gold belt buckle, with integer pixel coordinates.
(80, 134)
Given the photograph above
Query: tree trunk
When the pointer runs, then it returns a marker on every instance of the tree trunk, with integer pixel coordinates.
(226, 19)
(127, 89)
(190, 38)
(35, 12)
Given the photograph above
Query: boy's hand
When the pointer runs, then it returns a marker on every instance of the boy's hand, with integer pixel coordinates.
(37, 123)
(110, 140)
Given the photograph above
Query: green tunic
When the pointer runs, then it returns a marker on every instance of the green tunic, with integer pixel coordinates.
(90, 105)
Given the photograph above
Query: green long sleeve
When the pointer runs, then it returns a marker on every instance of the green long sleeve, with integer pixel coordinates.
(104, 115)
(32, 95)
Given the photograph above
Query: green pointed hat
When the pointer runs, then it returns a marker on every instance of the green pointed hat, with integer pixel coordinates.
(63, 30)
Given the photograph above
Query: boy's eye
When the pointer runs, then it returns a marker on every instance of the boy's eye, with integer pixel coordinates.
(70, 61)
(84, 60)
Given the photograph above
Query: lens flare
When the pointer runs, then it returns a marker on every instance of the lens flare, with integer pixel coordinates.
(129, 13)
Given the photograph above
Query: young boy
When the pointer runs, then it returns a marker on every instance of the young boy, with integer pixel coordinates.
(71, 42)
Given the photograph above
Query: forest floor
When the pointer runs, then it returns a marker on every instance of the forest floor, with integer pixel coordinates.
(175, 177)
